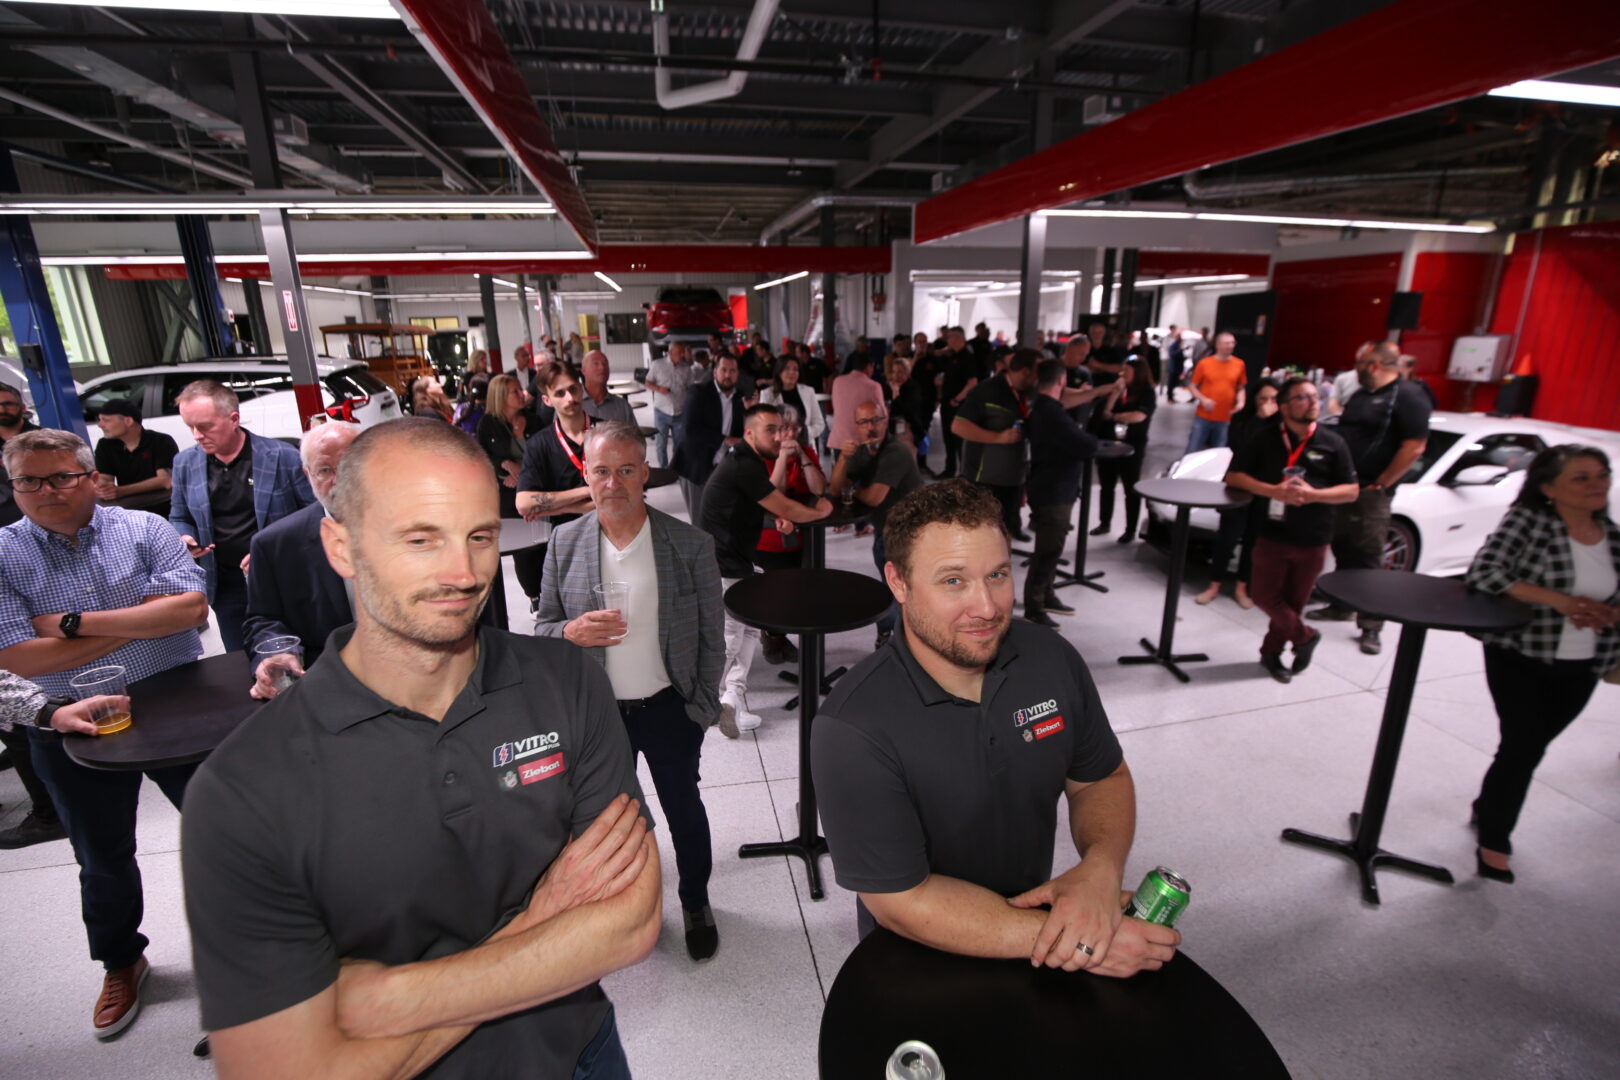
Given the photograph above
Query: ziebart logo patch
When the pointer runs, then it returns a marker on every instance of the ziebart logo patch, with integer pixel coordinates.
(507, 753)
(1043, 729)
(544, 769)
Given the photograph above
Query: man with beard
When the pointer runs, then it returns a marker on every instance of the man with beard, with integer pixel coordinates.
(882, 471)
(940, 760)
(428, 851)
(711, 420)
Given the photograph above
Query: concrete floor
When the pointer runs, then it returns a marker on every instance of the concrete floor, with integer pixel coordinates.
(1479, 980)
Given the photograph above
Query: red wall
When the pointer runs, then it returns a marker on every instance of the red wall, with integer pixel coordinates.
(1453, 284)
(1326, 308)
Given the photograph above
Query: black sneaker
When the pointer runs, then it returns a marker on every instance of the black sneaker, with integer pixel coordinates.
(882, 639)
(1041, 618)
(1303, 651)
(1102, 530)
(32, 830)
(1370, 643)
(1330, 613)
(702, 939)
(1273, 664)
(5, 760)
(1056, 605)
(1020, 535)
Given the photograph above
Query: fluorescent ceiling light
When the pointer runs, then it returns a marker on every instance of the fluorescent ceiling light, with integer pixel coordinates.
(1004, 292)
(604, 295)
(1260, 283)
(346, 9)
(503, 281)
(1572, 93)
(609, 282)
(306, 257)
(1173, 214)
(248, 205)
(781, 280)
(1277, 219)
(1153, 283)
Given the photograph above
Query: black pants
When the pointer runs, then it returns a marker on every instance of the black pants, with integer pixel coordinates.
(1011, 498)
(16, 740)
(1051, 525)
(1535, 701)
(1238, 531)
(1111, 471)
(230, 603)
(661, 731)
(98, 809)
(529, 565)
(953, 443)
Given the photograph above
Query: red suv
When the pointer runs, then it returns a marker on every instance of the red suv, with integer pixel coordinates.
(686, 313)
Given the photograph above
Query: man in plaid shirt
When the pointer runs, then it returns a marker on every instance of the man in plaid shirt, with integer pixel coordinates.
(83, 585)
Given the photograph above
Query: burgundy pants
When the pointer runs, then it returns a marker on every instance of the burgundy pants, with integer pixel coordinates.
(1281, 582)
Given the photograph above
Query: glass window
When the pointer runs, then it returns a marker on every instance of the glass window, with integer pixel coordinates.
(626, 328)
(69, 290)
(132, 388)
(1509, 450)
(1439, 443)
(690, 296)
(354, 382)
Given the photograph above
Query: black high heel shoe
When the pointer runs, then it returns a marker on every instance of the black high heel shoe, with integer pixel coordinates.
(1488, 871)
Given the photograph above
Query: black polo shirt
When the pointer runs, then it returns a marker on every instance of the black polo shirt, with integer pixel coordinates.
(731, 511)
(1326, 461)
(958, 368)
(995, 406)
(152, 452)
(336, 824)
(547, 466)
(230, 500)
(914, 781)
(1058, 449)
(1375, 423)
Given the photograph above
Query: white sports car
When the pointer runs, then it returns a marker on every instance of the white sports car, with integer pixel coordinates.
(1452, 497)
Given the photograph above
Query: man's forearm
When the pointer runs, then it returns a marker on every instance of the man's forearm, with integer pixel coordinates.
(967, 429)
(157, 617)
(1409, 452)
(1102, 819)
(46, 656)
(957, 916)
(141, 487)
(554, 502)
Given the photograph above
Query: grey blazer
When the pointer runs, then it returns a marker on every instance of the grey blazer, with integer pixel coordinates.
(691, 627)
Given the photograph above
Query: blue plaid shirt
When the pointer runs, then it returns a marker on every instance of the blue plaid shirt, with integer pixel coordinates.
(120, 559)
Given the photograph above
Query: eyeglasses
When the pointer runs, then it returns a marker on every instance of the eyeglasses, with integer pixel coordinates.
(871, 421)
(61, 481)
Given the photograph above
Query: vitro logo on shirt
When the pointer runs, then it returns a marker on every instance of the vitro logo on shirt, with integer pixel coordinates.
(507, 753)
(1031, 713)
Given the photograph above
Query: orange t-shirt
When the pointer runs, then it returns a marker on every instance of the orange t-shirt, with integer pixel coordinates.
(1219, 380)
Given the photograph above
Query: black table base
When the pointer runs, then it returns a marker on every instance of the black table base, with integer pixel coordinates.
(1079, 576)
(809, 844)
(827, 681)
(1164, 652)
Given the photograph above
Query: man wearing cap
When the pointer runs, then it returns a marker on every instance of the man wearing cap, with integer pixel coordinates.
(131, 459)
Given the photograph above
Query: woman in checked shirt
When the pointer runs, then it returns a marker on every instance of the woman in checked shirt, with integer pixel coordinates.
(1558, 550)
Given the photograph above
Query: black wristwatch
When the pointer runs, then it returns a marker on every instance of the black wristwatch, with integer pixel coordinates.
(43, 719)
(70, 624)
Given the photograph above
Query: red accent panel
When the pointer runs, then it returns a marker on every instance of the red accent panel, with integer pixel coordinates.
(1326, 308)
(1453, 284)
(1200, 264)
(1571, 322)
(739, 311)
(310, 403)
(463, 39)
(630, 259)
(1445, 50)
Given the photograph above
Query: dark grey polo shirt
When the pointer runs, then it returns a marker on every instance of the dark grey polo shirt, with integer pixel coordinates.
(335, 824)
(914, 781)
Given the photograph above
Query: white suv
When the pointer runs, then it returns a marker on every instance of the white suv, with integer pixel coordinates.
(348, 391)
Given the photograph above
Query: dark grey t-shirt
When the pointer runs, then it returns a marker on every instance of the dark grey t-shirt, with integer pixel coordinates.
(335, 824)
(894, 464)
(914, 781)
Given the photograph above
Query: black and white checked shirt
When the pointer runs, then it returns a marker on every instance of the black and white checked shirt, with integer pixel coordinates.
(20, 701)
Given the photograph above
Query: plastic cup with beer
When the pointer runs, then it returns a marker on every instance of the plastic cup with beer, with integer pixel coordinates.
(97, 682)
(288, 646)
(614, 596)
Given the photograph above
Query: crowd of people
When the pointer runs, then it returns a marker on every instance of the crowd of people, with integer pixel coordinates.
(462, 914)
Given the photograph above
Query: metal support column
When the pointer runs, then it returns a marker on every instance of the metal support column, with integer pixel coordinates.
(33, 320)
(829, 294)
(258, 326)
(492, 331)
(546, 311)
(1029, 280)
(1107, 304)
(202, 276)
(1127, 293)
(384, 309)
(787, 307)
(523, 309)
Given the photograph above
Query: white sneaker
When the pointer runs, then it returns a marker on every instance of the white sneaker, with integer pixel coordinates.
(747, 721)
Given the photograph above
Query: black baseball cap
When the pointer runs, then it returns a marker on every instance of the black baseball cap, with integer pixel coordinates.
(122, 407)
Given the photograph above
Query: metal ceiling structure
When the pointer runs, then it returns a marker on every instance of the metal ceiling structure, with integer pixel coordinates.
(894, 98)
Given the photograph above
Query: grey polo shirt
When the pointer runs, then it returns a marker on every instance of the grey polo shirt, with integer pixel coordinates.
(914, 781)
(336, 824)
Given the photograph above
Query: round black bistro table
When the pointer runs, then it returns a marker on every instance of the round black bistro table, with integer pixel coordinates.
(1107, 450)
(180, 716)
(1183, 495)
(1002, 1019)
(1420, 603)
(815, 558)
(810, 603)
(660, 477)
(153, 502)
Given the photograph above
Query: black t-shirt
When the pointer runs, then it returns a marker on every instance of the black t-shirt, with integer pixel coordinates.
(894, 464)
(995, 406)
(731, 510)
(1375, 423)
(230, 499)
(923, 371)
(334, 823)
(154, 451)
(958, 368)
(548, 465)
(914, 781)
(1058, 449)
(1326, 461)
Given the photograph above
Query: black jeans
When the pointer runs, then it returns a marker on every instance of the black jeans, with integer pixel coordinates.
(661, 732)
(98, 809)
(1238, 531)
(530, 566)
(1535, 701)
(953, 443)
(230, 604)
(1111, 471)
(1051, 525)
(16, 740)
(1359, 529)
(1011, 498)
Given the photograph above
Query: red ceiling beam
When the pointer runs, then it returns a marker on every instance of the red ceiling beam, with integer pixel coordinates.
(1408, 56)
(1200, 264)
(464, 41)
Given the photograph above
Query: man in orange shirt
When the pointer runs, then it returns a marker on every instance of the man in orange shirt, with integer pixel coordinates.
(1217, 385)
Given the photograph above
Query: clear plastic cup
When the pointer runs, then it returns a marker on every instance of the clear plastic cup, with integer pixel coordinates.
(111, 679)
(613, 596)
(280, 646)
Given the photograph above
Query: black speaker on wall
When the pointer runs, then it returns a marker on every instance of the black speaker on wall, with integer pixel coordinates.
(1404, 308)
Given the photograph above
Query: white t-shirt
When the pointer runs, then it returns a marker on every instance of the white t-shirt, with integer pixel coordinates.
(676, 378)
(1595, 580)
(635, 666)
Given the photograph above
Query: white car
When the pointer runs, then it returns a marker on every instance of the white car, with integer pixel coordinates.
(348, 392)
(11, 373)
(1452, 497)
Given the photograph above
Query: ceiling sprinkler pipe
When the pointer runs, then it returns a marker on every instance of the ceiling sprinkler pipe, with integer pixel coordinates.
(1294, 185)
(759, 24)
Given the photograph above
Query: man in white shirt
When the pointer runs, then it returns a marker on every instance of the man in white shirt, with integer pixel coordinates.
(669, 378)
(663, 644)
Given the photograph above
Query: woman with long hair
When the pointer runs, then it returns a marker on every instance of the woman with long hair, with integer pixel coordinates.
(427, 398)
(505, 426)
(1132, 407)
(1558, 550)
(786, 389)
(1240, 528)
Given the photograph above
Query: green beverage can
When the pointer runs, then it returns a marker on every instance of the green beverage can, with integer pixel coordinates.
(1161, 898)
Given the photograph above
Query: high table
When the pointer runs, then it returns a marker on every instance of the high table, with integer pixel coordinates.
(180, 716)
(1107, 450)
(155, 502)
(810, 603)
(815, 558)
(1420, 603)
(1183, 495)
(658, 477)
(997, 1019)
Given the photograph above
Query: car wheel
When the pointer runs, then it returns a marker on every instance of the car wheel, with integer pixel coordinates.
(1401, 545)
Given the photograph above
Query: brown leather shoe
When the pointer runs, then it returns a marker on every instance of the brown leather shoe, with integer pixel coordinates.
(120, 999)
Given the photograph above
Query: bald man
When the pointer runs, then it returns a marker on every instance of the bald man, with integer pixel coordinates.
(600, 405)
(292, 590)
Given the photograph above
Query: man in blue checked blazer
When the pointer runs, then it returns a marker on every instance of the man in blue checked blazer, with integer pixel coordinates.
(662, 640)
(226, 488)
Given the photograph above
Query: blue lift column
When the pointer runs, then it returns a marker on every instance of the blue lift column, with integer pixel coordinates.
(202, 275)
(33, 320)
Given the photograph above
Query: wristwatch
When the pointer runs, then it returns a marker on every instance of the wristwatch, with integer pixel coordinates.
(48, 710)
(70, 624)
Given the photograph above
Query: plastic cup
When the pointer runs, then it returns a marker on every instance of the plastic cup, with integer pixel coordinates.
(96, 682)
(1120, 431)
(613, 596)
(280, 646)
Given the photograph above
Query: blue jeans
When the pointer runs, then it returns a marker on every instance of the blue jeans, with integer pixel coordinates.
(665, 423)
(1206, 434)
(661, 732)
(885, 625)
(603, 1058)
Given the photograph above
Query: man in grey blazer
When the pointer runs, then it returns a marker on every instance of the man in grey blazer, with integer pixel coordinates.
(663, 644)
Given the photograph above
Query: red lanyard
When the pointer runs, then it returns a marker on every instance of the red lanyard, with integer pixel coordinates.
(1293, 455)
(1023, 404)
(562, 441)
